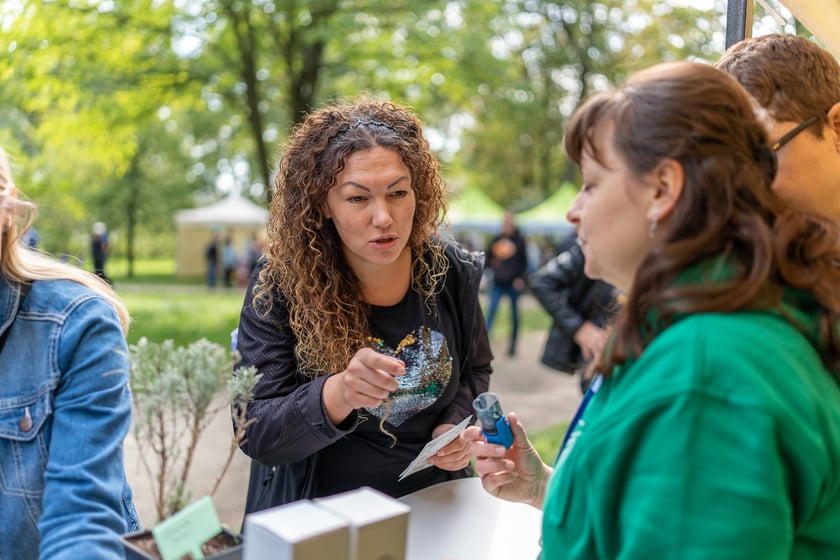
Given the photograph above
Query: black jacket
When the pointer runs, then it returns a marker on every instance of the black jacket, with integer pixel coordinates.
(506, 270)
(571, 298)
(290, 426)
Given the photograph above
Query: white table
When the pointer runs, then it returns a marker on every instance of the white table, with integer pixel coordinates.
(458, 520)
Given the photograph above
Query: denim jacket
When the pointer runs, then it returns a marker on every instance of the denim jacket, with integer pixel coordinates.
(65, 408)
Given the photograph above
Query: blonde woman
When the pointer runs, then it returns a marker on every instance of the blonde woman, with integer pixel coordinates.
(65, 404)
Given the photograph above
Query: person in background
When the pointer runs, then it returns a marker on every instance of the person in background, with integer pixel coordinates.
(229, 261)
(253, 252)
(365, 325)
(798, 83)
(580, 309)
(508, 261)
(65, 402)
(31, 237)
(211, 258)
(99, 249)
(713, 429)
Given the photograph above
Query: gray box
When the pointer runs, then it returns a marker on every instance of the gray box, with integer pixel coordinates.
(296, 531)
(378, 523)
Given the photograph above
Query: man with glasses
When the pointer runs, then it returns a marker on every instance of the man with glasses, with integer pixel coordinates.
(799, 84)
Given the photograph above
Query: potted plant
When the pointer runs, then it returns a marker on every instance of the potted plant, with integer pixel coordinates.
(175, 392)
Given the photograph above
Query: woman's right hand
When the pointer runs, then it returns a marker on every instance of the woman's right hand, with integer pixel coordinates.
(516, 474)
(368, 381)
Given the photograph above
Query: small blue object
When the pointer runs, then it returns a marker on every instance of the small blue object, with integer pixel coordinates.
(234, 337)
(503, 435)
(494, 425)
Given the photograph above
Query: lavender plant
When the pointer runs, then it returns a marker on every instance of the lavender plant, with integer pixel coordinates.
(176, 394)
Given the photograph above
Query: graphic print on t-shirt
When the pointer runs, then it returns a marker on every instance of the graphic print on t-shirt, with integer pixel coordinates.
(428, 368)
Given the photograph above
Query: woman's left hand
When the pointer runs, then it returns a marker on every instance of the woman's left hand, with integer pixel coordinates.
(455, 455)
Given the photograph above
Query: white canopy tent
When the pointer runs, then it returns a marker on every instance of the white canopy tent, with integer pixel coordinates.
(233, 216)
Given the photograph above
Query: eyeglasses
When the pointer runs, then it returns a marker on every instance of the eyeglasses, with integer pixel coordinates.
(776, 146)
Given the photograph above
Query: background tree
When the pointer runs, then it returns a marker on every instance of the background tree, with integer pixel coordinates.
(126, 111)
(558, 54)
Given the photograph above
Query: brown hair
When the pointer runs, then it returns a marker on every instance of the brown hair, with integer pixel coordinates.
(700, 117)
(790, 76)
(305, 260)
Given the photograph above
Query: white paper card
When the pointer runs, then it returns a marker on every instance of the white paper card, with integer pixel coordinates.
(421, 461)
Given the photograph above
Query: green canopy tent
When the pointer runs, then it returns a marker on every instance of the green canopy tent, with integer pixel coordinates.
(549, 216)
(470, 210)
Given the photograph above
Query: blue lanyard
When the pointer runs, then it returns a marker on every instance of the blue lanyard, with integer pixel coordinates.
(593, 388)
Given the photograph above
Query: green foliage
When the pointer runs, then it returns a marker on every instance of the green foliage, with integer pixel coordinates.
(175, 391)
(129, 110)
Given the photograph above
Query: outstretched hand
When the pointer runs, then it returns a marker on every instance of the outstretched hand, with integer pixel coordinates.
(368, 381)
(516, 474)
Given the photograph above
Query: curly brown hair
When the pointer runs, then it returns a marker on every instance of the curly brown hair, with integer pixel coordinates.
(305, 260)
(702, 118)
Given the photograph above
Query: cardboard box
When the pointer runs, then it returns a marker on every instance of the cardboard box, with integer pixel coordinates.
(297, 531)
(378, 523)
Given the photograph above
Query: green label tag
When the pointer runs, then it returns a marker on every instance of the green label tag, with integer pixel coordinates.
(187, 530)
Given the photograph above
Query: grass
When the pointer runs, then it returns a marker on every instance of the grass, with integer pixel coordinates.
(181, 314)
(548, 440)
(531, 318)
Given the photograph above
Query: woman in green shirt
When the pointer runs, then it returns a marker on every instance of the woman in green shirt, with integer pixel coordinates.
(713, 429)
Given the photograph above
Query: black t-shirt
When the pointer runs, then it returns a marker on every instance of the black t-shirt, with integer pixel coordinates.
(368, 456)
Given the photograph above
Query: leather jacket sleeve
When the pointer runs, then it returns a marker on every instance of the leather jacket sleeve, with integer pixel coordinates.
(556, 286)
(460, 294)
(476, 377)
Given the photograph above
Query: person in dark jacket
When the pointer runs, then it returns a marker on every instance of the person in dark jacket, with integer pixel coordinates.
(99, 249)
(365, 325)
(508, 261)
(580, 309)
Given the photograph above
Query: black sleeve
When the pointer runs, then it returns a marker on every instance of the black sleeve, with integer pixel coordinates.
(287, 415)
(477, 379)
(521, 258)
(553, 285)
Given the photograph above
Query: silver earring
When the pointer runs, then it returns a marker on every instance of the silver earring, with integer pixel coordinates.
(653, 225)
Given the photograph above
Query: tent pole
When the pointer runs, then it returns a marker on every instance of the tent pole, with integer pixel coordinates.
(739, 16)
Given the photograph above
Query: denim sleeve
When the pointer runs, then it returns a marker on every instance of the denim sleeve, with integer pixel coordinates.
(85, 476)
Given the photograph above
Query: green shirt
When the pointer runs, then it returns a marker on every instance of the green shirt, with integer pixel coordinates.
(722, 440)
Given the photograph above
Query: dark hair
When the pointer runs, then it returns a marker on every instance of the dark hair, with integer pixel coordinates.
(703, 119)
(305, 260)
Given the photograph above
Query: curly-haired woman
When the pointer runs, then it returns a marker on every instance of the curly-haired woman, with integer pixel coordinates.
(714, 428)
(363, 322)
(65, 402)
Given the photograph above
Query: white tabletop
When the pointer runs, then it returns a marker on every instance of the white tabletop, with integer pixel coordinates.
(458, 520)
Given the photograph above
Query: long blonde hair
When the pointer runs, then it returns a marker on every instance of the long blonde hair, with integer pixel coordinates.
(20, 264)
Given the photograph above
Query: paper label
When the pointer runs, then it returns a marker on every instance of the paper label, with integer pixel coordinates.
(421, 461)
(187, 530)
